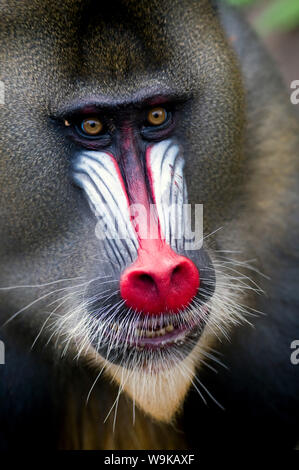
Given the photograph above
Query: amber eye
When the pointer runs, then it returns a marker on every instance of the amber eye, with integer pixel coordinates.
(92, 126)
(157, 116)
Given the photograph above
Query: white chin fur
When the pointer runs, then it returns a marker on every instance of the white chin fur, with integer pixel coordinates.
(160, 391)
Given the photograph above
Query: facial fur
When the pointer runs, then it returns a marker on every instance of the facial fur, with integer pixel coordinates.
(117, 83)
(113, 63)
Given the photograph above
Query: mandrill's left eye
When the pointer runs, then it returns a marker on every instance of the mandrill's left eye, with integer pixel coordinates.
(157, 116)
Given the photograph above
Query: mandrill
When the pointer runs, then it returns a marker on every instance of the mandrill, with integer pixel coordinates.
(124, 327)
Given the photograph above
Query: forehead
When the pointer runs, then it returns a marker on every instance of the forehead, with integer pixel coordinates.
(113, 46)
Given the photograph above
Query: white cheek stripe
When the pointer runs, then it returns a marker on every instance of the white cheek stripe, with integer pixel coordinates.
(96, 173)
(165, 165)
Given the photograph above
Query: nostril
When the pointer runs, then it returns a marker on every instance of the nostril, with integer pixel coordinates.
(177, 270)
(179, 276)
(176, 273)
(145, 281)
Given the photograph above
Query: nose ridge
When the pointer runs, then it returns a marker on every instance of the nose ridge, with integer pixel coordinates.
(160, 280)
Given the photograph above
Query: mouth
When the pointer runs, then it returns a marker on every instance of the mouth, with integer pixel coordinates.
(152, 336)
(132, 337)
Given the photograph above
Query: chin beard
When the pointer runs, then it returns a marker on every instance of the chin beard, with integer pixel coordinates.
(159, 385)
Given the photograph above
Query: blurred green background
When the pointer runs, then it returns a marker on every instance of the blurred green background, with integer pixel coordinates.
(277, 22)
(274, 15)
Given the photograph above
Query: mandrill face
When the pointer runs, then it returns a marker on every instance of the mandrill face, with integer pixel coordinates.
(114, 127)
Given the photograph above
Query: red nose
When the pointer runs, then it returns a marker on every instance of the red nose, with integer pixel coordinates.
(159, 280)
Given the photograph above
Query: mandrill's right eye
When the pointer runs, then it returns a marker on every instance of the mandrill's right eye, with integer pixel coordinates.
(90, 131)
(91, 127)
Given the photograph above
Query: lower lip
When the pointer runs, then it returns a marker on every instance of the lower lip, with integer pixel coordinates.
(179, 337)
(176, 337)
(184, 338)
